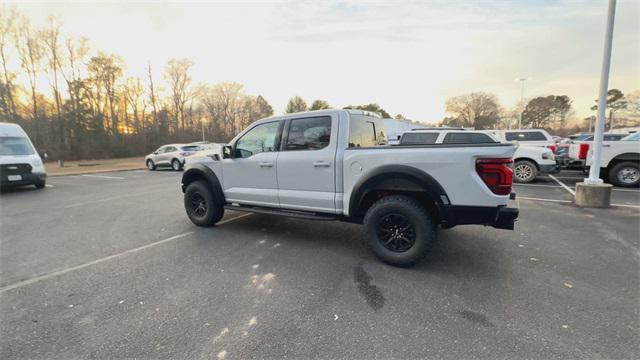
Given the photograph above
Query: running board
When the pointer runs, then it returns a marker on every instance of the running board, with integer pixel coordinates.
(290, 213)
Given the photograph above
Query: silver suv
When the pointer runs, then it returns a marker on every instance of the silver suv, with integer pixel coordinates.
(172, 155)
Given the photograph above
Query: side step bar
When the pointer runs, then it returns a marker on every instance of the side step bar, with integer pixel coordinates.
(291, 213)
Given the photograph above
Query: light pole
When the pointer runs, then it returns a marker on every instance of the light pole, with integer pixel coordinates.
(594, 171)
(593, 192)
(521, 80)
(202, 126)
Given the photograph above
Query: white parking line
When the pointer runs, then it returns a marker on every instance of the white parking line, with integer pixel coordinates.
(572, 187)
(105, 177)
(49, 185)
(569, 201)
(111, 198)
(106, 258)
(563, 185)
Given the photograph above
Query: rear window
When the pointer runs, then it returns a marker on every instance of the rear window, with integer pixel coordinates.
(525, 136)
(615, 137)
(418, 138)
(366, 131)
(13, 145)
(467, 138)
(191, 148)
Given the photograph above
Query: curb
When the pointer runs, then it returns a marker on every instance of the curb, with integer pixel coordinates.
(95, 171)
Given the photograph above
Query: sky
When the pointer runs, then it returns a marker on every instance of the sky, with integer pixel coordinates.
(407, 56)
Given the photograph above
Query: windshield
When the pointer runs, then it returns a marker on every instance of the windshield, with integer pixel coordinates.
(632, 137)
(13, 145)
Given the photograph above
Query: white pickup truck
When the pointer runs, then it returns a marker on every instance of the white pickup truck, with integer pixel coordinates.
(620, 162)
(337, 165)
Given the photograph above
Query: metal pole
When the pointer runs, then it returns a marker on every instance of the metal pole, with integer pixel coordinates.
(594, 172)
(522, 80)
(202, 124)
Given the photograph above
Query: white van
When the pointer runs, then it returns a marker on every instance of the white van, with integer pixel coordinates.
(20, 163)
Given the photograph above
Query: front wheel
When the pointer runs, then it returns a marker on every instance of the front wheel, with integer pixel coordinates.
(625, 173)
(200, 204)
(524, 171)
(399, 230)
(150, 165)
(40, 184)
(176, 165)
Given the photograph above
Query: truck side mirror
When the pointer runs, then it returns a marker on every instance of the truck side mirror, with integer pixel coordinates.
(227, 152)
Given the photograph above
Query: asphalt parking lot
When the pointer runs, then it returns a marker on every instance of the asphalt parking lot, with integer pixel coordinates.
(109, 266)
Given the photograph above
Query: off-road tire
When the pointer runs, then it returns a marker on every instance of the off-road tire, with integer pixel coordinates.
(376, 230)
(200, 204)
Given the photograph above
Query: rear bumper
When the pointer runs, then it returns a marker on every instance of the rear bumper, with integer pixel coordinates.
(27, 179)
(500, 217)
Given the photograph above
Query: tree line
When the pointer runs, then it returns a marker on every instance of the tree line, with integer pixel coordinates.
(482, 110)
(93, 109)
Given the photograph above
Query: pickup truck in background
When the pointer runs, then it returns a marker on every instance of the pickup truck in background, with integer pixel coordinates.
(579, 148)
(620, 162)
(529, 161)
(337, 165)
(533, 137)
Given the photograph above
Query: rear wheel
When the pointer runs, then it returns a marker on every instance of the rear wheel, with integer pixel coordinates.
(150, 165)
(176, 165)
(200, 204)
(524, 171)
(625, 173)
(399, 230)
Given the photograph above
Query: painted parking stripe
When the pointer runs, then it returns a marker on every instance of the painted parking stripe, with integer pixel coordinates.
(573, 187)
(563, 185)
(569, 201)
(49, 185)
(106, 258)
(105, 177)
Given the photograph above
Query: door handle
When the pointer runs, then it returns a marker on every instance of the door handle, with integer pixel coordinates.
(321, 164)
(266, 164)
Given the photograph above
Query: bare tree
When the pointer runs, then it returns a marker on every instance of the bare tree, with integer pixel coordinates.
(51, 41)
(152, 96)
(133, 93)
(177, 74)
(30, 49)
(7, 27)
(106, 70)
(477, 109)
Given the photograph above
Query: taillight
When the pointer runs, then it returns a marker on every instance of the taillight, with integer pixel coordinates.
(186, 153)
(584, 149)
(553, 148)
(497, 174)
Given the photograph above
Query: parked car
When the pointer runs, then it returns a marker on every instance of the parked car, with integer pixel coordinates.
(20, 163)
(620, 162)
(337, 165)
(172, 155)
(579, 148)
(206, 149)
(529, 161)
(533, 137)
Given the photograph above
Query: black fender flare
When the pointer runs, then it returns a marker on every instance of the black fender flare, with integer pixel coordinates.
(399, 172)
(202, 172)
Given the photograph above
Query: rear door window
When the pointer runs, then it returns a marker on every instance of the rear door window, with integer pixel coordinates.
(366, 131)
(309, 133)
(525, 136)
(419, 138)
(467, 138)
